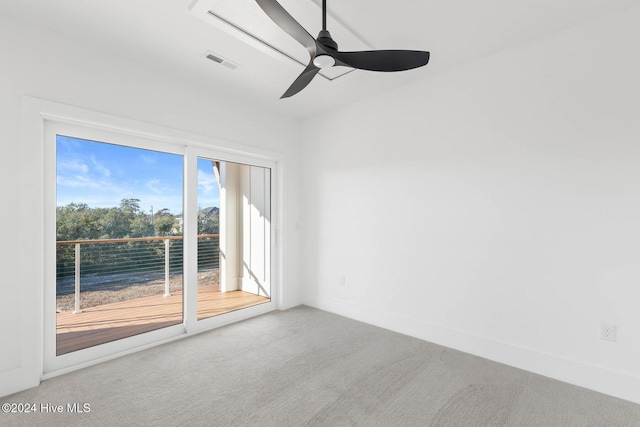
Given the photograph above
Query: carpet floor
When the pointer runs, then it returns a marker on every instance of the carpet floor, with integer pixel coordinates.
(306, 367)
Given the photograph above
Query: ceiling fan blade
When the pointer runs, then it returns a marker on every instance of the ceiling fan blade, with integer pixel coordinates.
(302, 81)
(285, 21)
(382, 60)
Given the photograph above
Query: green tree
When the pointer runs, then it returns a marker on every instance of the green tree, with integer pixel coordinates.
(163, 222)
(141, 226)
(130, 206)
(117, 222)
(77, 221)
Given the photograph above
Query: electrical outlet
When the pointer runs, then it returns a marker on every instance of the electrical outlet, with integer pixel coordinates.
(342, 282)
(608, 332)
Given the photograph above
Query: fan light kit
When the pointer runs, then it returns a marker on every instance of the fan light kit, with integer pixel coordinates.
(324, 53)
(324, 61)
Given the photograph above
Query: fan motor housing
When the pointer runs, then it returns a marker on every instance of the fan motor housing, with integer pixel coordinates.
(325, 39)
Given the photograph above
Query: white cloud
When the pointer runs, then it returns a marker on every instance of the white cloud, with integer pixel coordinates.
(73, 165)
(154, 186)
(148, 159)
(100, 167)
(207, 182)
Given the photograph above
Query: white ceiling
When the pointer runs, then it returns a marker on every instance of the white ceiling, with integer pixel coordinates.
(166, 35)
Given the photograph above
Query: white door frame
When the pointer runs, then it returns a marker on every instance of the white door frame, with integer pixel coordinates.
(41, 119)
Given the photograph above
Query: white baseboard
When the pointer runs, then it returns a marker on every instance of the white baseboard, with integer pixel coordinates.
(603, 380)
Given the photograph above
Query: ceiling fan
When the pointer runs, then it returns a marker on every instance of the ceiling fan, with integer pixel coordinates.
(324, 52)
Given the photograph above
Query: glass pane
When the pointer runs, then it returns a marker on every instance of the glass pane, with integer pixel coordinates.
(119, 242)
(234, 216)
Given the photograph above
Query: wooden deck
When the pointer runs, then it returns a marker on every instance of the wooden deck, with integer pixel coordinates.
(110, 322)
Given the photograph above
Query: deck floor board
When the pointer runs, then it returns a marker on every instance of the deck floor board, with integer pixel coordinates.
(110, 322)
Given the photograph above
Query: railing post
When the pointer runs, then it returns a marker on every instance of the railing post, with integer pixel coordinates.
(77, 274)
(166, 268)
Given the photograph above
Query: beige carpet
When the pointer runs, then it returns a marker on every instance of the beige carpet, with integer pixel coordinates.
(307, 367)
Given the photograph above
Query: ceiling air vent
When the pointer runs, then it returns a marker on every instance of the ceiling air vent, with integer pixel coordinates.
(220, 60)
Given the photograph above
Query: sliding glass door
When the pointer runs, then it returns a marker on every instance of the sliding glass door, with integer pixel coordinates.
(234, 229)
(118, 265)
(148, 240)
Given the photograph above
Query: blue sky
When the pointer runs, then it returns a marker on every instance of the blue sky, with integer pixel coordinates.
(101, 175)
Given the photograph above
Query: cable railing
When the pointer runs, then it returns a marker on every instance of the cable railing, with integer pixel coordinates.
(114, 264)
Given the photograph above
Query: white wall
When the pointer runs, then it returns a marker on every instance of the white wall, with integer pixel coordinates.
(494, 209)
(44, 65)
